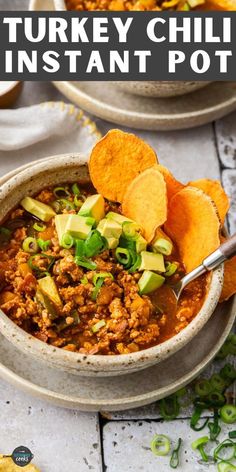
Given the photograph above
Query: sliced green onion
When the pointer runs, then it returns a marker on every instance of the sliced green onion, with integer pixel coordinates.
(66, 204)
(214, 427)
(174, 460)
(67, 241)
(75, 189)
(84, 281)
(61, 192)
(130, 230)
(226, 467)
(164, 246)
(228, 414)
(217, 383)
(102, 275)
(39, 227)
(79, 248)
(228, 372)
(194, 422)
(136, 265)
(50, 259)
(44, 245)
(223, 352)
(225, 451)
(78, 202)
(171, 268)
(123, 256)
(96, 289)
(94, 244)
(216, 399)
(160, 445)
(199, 445)
(56, 206)
(86, 263)
(203, 387)
(232, 434)
(169, 407)
(85, 213)
(30, 245)
(100, 324)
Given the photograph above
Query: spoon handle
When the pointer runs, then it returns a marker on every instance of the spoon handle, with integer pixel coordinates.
(224, 252)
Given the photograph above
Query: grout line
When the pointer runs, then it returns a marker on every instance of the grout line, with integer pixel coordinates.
(101, 424)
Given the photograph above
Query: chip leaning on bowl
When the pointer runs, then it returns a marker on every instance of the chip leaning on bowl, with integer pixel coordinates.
(86, 270)
(150, 5)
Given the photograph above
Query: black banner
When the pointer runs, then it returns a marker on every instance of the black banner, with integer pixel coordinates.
(118, 46)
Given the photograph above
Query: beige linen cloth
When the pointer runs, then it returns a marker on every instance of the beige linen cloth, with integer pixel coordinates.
(51, 128)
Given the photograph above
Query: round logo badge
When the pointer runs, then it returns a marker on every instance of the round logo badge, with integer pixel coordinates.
(22, 456)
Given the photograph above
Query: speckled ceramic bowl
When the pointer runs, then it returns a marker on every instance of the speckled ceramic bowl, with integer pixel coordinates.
(151, 88)
(68, 168)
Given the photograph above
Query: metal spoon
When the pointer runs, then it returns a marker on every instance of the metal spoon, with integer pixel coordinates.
(224, 252)
(173, 292)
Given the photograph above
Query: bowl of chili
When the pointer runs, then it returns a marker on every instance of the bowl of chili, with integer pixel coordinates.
(76, 304)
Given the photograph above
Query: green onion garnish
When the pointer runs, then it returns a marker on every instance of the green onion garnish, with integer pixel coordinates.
(75, 189)
(226, 467)
(61, 192)
(50, 260)
(203, 387)
(94, 244)
(225, 451)
(174, 460)
(66, 204)
(30, 245)
(39, 227)
(90, 265)
(171, 268)
(136, 265)
(79, 248)
(217, 383)
(123, 256)
(44, 245)
(232, 434)
(84, 281)
(228, 372)
(102, 275)
(78, 202)
(214, 427)
(194, 422)
(228, 414)
(199, 445)
(160, 445)
(169, 407)
(100, 324)
(67, 241)
(163, 246)
(96, 289)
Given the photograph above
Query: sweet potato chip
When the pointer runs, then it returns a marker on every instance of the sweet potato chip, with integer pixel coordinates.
(145, 201)
(229, 285)
(193, 225)
(116, 160)
(214, 189)
(172, 185)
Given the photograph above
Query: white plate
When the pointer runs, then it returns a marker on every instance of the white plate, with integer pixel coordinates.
(187, 111)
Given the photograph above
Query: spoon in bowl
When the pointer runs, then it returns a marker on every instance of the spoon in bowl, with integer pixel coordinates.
(225, 251)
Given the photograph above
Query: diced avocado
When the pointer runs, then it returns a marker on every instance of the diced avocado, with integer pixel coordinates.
(60, 223)
(78, 227)
(109, 229)
(112, 243)
(49, 290)
(141, 244)
(40, 210)
(162, 243)
(117, 217)
(151, 261)
(150, 282)
(93, 206)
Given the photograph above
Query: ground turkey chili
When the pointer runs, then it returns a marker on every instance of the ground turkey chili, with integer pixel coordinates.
(149, 5)
(87, 294)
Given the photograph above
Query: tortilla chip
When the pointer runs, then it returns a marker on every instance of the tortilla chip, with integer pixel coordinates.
(193, 225)
(214, 189)
(172, 185)
(7, 465)
(145, 201)
(116, 160)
